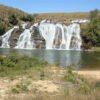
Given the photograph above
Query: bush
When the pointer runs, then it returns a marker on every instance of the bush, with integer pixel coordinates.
(19, 88)
(13, 19)
(15, 64)
(28, 17)
(3, 28)
(91, 33)
(83, 85)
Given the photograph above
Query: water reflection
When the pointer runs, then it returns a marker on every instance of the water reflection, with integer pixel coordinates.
(61, 58)
(82, 60)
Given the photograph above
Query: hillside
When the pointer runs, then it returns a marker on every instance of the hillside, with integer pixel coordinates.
(6, 11)
(10, 17)
(63, 17)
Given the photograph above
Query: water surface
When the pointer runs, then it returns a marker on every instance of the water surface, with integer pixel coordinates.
(81, 59)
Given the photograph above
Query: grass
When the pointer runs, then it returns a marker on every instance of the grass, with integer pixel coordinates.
(21, 72)
(20, 88)
(13, 65)
(63, 17)
(96, 49)
(83, 85)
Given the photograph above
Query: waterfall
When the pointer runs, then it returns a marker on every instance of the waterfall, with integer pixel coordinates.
(32, 27)
(80, 21)
(58, 36)
(6, 37)
(25, 41)
(24, 25)
(47, 30)
(62, 44)
(75, 38)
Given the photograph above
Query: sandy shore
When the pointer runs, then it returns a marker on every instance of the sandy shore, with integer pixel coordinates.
(90, 74)
(44, 86)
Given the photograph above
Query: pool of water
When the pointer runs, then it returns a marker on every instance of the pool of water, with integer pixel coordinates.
(82, 60)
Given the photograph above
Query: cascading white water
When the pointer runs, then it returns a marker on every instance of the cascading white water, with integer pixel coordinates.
(25, 41)
(68, 38)
(6, 37)
(56, 36)
(32, 27)
(48, 30)
(75, 38)
(62, 33)
(80, 21)
(24, 25)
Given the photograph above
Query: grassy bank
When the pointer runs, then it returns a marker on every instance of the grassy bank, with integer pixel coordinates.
(96, 49)
(25, 78)
(13, 65)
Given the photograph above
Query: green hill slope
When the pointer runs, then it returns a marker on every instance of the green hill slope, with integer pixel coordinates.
(11, 16)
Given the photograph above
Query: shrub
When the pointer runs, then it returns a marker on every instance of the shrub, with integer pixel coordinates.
(42, 75)
(3, 28)
(19, 88)
(83, 85)
(91, 33)
(28, 17)
(15, 64)
(13, 19)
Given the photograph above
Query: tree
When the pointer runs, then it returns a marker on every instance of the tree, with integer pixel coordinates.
(13, 19)
(3, 28)
(91, 33)
(28, 17)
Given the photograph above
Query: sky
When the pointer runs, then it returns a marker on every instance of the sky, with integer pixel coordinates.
(47, 6)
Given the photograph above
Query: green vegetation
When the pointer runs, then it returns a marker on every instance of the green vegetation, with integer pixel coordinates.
(83, 84)
(11, 16)
(96, 49)
(91, 32)
(7, 16)
(13, 19)
(13, 65)
(3, 28)
(24, 77)
(20, 88)
(29, 18)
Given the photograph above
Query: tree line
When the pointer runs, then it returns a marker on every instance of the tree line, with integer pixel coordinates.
(91, 32)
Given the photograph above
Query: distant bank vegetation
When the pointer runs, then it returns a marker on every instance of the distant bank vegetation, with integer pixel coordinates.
(64, 17)
(12, 16)
(90, 32)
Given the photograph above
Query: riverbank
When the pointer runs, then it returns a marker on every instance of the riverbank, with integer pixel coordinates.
(53, 85)
(91, 75)
(25, 78)
(93, 49)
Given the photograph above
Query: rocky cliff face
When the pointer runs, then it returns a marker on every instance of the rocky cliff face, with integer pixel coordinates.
(44, 35)
(38, 39)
